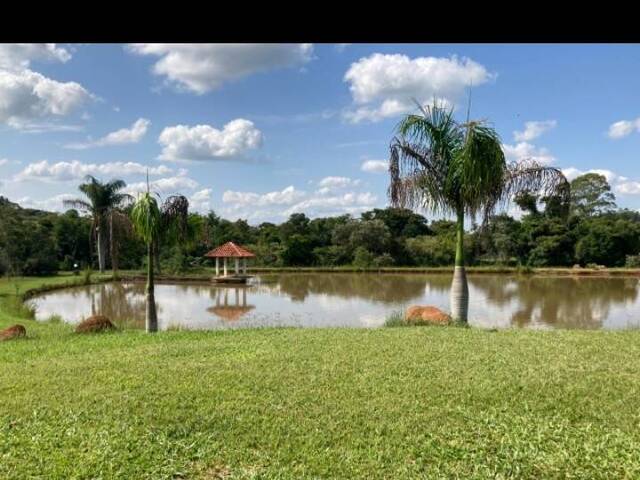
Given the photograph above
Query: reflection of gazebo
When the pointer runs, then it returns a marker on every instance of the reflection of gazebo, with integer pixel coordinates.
(231, 250)
(230, 312)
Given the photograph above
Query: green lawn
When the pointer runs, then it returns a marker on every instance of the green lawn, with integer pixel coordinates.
(407, 402)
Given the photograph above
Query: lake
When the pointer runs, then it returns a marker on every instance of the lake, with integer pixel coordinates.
(357, 300)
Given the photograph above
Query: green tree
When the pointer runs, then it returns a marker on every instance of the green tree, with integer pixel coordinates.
(458, 168)
(102, 200)
(152, 223)
(591, 195)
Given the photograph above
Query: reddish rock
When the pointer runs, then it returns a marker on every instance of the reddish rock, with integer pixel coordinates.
(15, 331)
(96, 323)
(426, 315)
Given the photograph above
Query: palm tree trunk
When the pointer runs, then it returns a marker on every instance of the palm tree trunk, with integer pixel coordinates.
(101, 247)
(152, 317)
(113, 248)
(459, 286)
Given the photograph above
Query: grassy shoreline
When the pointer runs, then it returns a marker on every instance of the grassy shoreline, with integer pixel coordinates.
(407, 402)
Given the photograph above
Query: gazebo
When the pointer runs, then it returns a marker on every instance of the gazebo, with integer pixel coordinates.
(227, 251)
(229, 311)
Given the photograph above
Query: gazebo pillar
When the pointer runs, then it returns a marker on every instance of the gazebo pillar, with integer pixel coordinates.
(237, 269)
(217, 266)
(244, 266)
(225, 266)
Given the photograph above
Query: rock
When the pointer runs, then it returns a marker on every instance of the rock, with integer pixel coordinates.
(426, 315)
(96, 323)
(15, 331)
(577, 266)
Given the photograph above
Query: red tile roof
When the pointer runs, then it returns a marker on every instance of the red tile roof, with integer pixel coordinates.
(230, 249)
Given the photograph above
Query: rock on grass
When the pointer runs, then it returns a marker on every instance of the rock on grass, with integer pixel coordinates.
(15, 331)
(95, 323)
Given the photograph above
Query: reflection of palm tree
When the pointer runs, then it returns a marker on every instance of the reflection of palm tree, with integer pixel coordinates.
(384, 288)
(564, 302)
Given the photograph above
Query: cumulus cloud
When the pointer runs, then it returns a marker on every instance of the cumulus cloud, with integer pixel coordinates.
(75, 170)
(3, 161)
(331, 184)
(207, 143)
(623, 128)
(534, 130)
(526, 151)
(18, 56)
(200, 201)
(383, 86)
(375, 166)
(123, 136)
(201, 68)
(287, 196)
(281, 204)
(164, 186)
(619, 183)
(52, 204)
(26, 96)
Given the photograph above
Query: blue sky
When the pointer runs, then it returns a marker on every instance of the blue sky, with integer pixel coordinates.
(261, 131)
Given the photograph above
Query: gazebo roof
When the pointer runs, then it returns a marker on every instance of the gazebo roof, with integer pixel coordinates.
(228, 250)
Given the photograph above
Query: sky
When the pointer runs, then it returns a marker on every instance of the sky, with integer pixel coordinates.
(260, 131)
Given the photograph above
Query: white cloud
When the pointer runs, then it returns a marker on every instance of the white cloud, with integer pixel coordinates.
(204, 142)
(337, 182)
(204, 67)
(3, 161)
(286, 196)
(573, 172)
(18, 56)
(619, 184)
(74, 170)
(163, 186)
(123, 136)
(280, 204)
(200, 201)
(383, 86)
(26, 96)
(526, 151)
(53, 204)
(375, 166)
(623, 128)
(534, 130)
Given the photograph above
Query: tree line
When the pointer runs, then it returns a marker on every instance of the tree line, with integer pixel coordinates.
(585, 228)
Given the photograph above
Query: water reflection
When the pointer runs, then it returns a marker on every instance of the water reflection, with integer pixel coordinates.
(230, 311)
(358, 300)
(561, 302)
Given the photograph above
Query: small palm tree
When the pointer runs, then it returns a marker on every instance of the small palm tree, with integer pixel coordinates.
(152, 224)
(103, 201)
(447, 167)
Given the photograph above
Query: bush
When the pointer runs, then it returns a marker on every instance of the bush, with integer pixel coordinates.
(363, 258)
(632, 261)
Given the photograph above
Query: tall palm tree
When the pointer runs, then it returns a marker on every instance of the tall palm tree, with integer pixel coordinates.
(448, 167)
(145, 216)
(174, 215)
(102, 200)
(152, 223)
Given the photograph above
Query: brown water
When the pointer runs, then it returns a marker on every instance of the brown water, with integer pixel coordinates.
(358, 300)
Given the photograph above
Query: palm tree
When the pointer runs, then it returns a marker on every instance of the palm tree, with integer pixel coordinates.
(447, 167)
(145, 216)
(103, 199)
(153, 223)
(174, 215)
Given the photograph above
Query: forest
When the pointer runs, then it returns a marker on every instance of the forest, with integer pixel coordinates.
(589, 229)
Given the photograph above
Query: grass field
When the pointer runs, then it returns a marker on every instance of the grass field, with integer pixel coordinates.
(408, 402)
